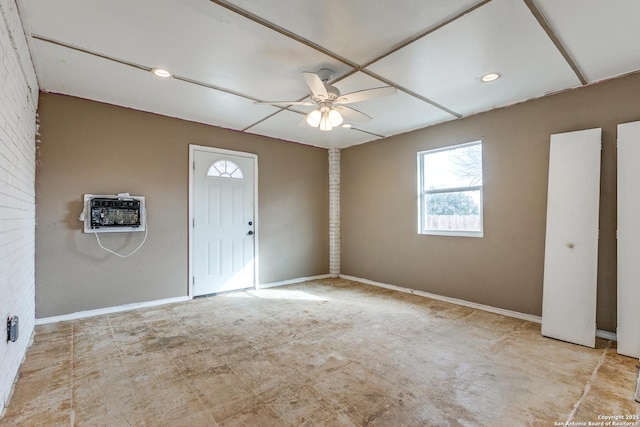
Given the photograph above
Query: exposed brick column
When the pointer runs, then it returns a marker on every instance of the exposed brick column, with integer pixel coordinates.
(334, 211)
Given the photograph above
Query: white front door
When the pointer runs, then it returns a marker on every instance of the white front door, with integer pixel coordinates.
(223, 221)
(571, 246)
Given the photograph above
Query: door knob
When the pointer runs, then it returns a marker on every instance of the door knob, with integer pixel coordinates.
(250, 233)
(570, 245)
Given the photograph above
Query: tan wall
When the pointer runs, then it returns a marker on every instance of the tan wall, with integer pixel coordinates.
(504, 268)
(89, 147)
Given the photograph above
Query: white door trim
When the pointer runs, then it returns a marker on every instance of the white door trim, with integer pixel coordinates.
(256, 222)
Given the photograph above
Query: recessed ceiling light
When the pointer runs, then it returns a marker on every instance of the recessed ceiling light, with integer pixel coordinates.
(160, 72)
(490, 77)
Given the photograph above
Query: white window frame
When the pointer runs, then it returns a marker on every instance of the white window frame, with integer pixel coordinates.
(422, 193)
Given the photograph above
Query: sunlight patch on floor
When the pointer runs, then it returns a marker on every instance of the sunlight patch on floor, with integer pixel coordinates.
(285, 294)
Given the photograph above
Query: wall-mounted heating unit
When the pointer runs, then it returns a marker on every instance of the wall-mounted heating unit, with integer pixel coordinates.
(113, 213)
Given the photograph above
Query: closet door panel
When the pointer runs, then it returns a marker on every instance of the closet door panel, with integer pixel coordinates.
(628, 331)
(571, 245)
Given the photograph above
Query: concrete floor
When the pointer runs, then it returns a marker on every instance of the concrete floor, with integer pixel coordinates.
(330, 352)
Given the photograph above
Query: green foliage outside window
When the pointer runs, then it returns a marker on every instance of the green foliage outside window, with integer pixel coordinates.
(451, 204)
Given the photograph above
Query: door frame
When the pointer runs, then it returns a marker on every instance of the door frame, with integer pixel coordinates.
(192, 149)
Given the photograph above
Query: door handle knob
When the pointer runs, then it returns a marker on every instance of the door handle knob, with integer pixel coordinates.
(250, 233)
(570, 245)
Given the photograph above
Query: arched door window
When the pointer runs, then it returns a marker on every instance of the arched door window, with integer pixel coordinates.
(224, 169)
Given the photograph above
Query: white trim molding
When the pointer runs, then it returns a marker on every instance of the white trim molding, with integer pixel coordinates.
(147, 304)
(611, 336)
(108, 310)
(292, 281)
(134, 306)
(509, 313)
(495, 310)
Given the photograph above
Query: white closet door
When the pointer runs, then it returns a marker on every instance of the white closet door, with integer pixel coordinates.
(628, 332)
(571, 246)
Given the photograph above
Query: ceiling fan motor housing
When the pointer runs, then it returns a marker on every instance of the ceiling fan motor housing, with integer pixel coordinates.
(325, 74)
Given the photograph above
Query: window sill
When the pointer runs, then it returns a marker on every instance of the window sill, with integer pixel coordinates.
(451, 233)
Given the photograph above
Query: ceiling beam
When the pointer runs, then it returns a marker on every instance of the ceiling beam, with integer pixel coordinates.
(355, 67)
(412, 93)
(270, 25)
(139, 66)
(425, 33)
(555, 40)
(90, 52)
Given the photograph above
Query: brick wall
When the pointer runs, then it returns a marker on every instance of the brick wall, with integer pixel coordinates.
(18, 104)
(334, 211)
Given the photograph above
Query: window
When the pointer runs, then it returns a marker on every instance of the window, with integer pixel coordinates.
(450, 190)
(225, 169)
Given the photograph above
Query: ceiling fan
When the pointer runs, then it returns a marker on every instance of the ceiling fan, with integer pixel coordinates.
(331, 110)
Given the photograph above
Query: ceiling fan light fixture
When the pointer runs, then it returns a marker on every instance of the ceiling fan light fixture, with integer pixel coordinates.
(314, 118)
(490, 77)
(325, 118)
(335, 118)
(161, 72)
(325, 123)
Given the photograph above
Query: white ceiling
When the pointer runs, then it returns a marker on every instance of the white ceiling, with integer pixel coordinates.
(227, 54)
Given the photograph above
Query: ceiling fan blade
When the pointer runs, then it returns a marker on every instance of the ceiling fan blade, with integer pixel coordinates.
(316, 87)
(285, 103)
(365, 95)
(352, 115)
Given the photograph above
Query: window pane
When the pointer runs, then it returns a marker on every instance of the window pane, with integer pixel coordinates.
(454, 211)
(457, 167)
(224, 169)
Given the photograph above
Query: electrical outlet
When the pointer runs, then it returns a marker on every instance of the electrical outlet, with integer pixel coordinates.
(12, 328)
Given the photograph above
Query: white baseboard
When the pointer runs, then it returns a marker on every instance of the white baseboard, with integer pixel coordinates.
(509, 313)
(133, 306)
(606, 335)
(502, 311)
(109, 310)
(292, 281)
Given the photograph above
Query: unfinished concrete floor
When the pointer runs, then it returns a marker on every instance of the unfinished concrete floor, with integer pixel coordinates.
(330, 352)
